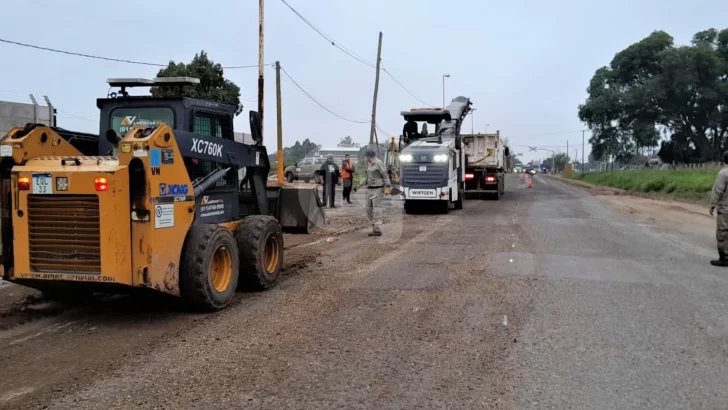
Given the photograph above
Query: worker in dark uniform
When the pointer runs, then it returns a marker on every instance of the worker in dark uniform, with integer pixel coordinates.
(330, 177)
(719, 202)
(347, 176)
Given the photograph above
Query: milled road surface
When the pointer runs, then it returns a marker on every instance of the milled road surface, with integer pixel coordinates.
(547, 298)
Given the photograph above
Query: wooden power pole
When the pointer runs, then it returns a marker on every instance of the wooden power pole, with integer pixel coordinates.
(279, 121)
(260, 65)
(376, 90)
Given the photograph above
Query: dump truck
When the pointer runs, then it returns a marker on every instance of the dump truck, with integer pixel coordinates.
(485, 164)
(432, 164)
(158, 205)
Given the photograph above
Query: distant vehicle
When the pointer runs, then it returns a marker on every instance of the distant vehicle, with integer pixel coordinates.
(531, 171)
(304, 169)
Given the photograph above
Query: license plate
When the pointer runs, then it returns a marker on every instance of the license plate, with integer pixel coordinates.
(423, 168)
(422, 193)
(42, 184)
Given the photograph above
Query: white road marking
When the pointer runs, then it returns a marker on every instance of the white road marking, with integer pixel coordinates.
(510, 260)
(48, 329)
(505, 320)
(15, 393)
(513, 245)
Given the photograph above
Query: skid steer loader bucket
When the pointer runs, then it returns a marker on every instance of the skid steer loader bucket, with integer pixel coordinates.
(299, 208)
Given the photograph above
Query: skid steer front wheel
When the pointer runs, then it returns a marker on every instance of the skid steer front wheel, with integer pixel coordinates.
(260, 241)
(210, 267)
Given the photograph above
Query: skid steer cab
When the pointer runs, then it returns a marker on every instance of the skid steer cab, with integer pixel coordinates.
(165, 210)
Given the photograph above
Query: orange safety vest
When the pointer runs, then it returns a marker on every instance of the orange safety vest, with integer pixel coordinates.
(346, 174)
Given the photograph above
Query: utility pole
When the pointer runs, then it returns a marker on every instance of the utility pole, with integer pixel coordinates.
(376, 90)
(582, 151)
(279, 121)
(260, 65)
(576, 154)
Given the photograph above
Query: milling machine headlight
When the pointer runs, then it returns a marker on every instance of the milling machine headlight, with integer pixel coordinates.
(440, 158)
(406, 158)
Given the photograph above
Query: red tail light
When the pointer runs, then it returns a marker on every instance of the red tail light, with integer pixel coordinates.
(469, 176)
(23, 183)
(489, 179)
(101, 184)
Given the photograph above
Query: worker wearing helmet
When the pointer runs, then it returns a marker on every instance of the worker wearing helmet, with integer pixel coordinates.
(376, 179)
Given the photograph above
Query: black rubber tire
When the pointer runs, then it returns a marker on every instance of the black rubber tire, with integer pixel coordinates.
(289, 177)
(307, 180)
(445, 207)
(252, 236)
(194, 272)
(496, 195)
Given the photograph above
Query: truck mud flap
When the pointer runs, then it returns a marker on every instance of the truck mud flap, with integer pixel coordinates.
(300, 209)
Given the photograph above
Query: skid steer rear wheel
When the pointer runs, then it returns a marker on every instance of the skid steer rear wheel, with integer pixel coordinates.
(260, 241)
(209, 268)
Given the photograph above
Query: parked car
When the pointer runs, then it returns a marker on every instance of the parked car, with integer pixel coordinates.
(304, 169)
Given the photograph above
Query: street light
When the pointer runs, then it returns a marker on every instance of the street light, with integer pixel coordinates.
(443, 88)
(486, 128)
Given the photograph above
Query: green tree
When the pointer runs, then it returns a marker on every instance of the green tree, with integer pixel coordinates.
(556, 162)
(346, 142)
(213, 85)
(653, 90)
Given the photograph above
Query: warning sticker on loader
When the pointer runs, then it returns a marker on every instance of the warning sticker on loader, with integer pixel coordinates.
(163, 216)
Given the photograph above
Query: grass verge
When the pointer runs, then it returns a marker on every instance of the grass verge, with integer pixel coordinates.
(693, 185)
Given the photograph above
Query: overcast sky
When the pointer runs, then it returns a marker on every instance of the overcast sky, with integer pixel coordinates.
(524, 64)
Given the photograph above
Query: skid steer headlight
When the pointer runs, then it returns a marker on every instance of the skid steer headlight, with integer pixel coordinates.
(61, 184)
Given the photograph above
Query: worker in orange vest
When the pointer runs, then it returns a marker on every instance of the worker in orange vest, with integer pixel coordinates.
(347, 174)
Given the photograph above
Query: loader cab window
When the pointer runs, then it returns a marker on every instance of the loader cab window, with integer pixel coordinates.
(124, 119)
(213, 125)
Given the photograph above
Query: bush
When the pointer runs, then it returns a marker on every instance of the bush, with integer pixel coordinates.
(692, 184)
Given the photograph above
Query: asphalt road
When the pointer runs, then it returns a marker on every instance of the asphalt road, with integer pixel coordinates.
(543, 299)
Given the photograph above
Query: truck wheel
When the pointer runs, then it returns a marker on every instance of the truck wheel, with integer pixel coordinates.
(496, 195)
(260, 240)
(289, 177)
(208, 272)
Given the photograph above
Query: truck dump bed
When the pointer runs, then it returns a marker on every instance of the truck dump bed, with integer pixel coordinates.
(484, 150)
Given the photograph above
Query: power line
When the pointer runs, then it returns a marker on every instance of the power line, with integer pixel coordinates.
(76, 116)
(405, 88)
(118, 60)
(351, 53)
(312, 98)
(329, 38)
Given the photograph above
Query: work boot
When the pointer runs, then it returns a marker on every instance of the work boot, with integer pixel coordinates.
(720, 262)
(375, 233)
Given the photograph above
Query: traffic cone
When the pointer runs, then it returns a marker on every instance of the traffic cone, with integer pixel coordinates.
(530, 182)
(522, 175)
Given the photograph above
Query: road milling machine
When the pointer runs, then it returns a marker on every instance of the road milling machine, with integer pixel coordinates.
(155, 201)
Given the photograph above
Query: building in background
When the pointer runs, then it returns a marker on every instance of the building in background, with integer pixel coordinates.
(14, 114)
